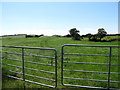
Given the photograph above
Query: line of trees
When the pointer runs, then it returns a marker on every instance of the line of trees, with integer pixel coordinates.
(96, 37)
(30, 36)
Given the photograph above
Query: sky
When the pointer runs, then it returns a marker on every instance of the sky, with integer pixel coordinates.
(50, 18)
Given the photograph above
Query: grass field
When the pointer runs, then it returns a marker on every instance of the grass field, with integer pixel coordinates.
(57, 42)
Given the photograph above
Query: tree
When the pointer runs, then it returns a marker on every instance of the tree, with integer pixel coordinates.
(89, 35)
(74, 33)
(101, 33)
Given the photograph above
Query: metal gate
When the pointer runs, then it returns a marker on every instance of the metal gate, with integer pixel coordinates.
(34, 65)
(90, 66)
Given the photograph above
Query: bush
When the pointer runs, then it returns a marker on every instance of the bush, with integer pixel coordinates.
(29, 36)
(57, 36)
(68, 35)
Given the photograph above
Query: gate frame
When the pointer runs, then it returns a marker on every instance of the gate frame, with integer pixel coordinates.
(109, 65)
(23, 68)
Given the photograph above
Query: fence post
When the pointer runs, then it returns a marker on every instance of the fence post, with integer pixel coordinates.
(56, 67)
(23, 71)
(109, 67)
(62, 52)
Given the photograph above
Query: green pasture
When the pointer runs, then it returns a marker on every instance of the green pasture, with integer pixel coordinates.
(57, 42)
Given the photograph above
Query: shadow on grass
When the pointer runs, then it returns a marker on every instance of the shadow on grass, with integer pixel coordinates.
(10, 83)
(4, 77)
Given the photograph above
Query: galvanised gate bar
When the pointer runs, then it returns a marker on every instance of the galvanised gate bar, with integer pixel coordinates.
(77, 63)
(28, 63)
